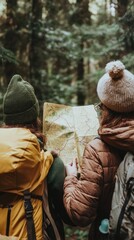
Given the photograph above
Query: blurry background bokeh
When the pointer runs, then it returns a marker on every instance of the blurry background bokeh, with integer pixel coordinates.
(61, 47)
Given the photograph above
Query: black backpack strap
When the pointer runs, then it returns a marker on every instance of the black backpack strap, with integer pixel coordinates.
(29, 216)
(8, 220)
(50, 230)
(130, 185)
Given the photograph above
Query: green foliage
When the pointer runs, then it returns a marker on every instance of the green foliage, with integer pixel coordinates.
(128, 60)
(53, 47)
(60, 42)
(102, 43)
(101, 40)
(127, 23)
(58, 90)
(7, 56)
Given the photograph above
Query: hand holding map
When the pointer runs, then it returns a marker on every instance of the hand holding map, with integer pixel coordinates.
(68, 129)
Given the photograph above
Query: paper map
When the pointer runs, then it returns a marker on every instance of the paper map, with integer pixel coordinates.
(68, 129)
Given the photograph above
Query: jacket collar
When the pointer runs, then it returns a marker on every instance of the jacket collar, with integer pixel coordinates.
(120, 136)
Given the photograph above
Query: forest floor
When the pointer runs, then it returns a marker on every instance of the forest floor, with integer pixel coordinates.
(72, 233)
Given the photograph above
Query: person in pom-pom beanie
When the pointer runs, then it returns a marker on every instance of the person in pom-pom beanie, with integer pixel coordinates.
(116, 88)
(87, 198)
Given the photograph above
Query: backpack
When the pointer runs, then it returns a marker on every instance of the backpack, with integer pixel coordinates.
(50, 229)
(121, 222)
(23, 206)
(22, 171)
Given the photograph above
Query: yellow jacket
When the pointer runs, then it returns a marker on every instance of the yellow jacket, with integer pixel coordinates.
(22, 166)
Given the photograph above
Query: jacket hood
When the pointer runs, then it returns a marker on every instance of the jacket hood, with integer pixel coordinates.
(120, 136)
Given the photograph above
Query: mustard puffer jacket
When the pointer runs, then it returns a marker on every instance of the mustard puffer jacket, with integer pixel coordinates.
(22, 166)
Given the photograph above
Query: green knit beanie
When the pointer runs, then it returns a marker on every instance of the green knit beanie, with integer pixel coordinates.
(20, 104)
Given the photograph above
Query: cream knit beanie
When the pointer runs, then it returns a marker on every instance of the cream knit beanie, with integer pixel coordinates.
(116, 88)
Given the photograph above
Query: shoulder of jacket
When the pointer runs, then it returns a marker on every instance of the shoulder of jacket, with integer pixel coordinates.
(101, 151)
(97, 145)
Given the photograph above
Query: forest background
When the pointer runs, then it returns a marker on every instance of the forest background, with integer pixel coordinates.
(61, 47)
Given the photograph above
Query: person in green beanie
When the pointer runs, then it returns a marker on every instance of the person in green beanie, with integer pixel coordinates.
(25, 167)
(20, 104)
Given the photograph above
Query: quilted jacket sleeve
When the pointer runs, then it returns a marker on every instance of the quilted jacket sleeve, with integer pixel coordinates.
(81, 197)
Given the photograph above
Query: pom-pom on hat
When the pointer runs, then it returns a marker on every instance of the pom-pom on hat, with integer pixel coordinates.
(20, 104)
(116, 88)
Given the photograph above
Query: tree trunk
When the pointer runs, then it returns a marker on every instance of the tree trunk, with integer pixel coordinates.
(122, 7)
(11, 38)
(36, 58)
